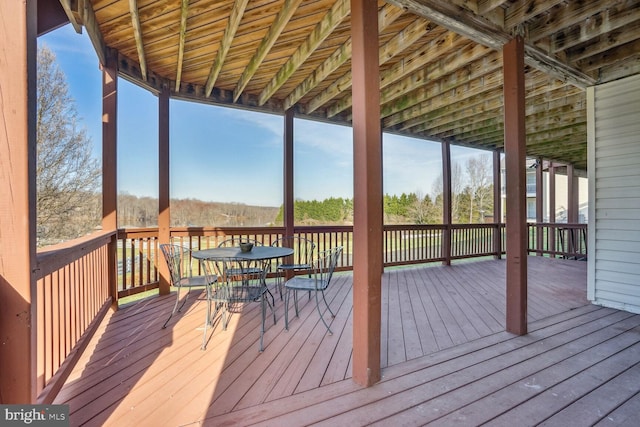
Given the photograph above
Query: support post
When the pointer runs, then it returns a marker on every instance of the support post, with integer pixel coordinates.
(539, 207)
(552, 208)
(164, 204)
(110, 163)
(288, 200)
(446, 203)
(18, 297)
(367, 228)
(515, 157)
(497, 205)
(572, 195)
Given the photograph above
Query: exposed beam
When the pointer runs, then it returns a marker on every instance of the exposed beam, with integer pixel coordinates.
(567, 15)
(282, 19)
(401, 41)
(486, 6)
(184, 12)
(137, 33)
(477, 77)
(387, 15)
(427, 70)
(606, 21)
(329, 22)
(52, 15)
(86, 16)
(229, 33)
(71, 9)
(481, 30)
(523, 10)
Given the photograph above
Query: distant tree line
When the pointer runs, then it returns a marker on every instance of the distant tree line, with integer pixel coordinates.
(69, 204)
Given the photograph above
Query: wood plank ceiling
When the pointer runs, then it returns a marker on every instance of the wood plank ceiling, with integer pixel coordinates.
(440, 62)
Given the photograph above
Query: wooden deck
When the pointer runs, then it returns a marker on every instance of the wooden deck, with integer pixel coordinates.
(447, 359)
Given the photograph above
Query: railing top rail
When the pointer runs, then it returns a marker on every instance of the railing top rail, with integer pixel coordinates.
(52, 258)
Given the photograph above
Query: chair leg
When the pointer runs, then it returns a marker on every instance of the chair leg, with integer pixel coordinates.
(279, 282)
(295, 302)
(174, 307)
(320, 312)
(327, 304)
(286, 309)
(207, 320)
(262, 303)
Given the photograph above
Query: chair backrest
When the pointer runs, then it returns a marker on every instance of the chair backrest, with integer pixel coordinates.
(326, 263)
(303, 248)
(178, 259)
(237, 279)
(235, 242)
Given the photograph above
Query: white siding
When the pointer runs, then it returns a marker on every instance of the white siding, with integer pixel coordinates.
(614, 194)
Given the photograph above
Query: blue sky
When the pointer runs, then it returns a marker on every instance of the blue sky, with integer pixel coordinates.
(230, 155)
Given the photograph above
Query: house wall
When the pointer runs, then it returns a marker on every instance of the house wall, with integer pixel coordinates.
(614, 194)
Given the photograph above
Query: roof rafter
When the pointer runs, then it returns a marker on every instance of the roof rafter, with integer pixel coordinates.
(184, 12)
(387, 15)
(137, 32)
(486, 33)
(607, 20)
(86, 16)
(331, 20)
(401, 41)
(396, 78)
(229, 33)
(282, 19)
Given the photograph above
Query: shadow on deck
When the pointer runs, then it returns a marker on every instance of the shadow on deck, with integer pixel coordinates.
(444, 353)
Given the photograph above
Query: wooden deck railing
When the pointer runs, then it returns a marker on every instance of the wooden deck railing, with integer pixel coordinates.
(73, 280)
(558, 240)
(72, 295)
(403, 244)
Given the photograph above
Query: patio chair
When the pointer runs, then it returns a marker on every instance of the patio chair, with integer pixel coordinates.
(178, 260)
(238, 282)
(300, 261)
(321, 273)
(252, 267)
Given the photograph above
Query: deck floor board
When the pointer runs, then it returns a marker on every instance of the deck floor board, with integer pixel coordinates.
(445, 357)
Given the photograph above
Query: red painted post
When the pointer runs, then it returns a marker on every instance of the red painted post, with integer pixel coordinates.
(497, 205)
(552, 208)
(109, 163)
(18, 298)
(446, 203)
(515, 157)
(288, 202)
(164, 205)
(367, 228)
(539, 207)
(572, 195)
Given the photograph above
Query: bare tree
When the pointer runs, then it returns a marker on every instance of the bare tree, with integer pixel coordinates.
(67, 176)
(457, 186)
(479, 176)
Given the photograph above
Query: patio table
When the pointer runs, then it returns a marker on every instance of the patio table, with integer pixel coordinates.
(258, 253)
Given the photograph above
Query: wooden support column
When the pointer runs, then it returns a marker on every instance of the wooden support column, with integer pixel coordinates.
(515, 157)
(446, 203)
(164, 204)
(539, 207)
(288, 200)
(109, 163)
(552, 208)
(367, 228)
(572, 195)
(497, 205)
(17, 201)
